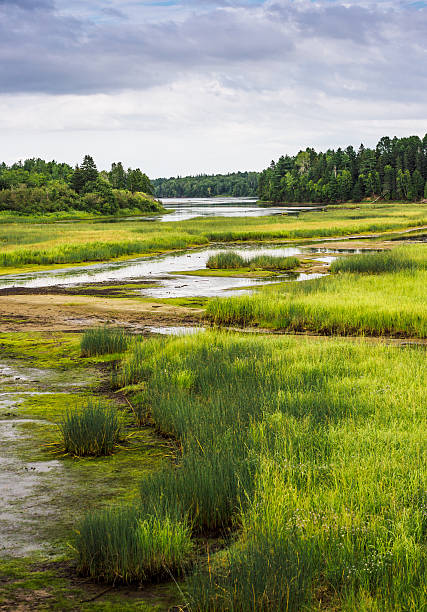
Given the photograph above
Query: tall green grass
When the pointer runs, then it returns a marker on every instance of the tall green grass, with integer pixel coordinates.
(97, 251)
(231, 260)
(313, 450)
(102, 340)
(121, 546)
(391, 303)
(269, 262)
(403, 258)
(226, 261)
(92, 430)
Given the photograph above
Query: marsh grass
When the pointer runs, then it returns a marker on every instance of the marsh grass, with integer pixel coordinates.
(103, 340)
(311, 449)
(289, 413)
(231, 260)
(96, 251)
(399, 259)
(91, 431)
(269, 262)
(226, 261)
(388, 303)
(75, 242)
(121, 546)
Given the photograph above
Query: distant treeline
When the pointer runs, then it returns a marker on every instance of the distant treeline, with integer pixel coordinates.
(395, 170)
(237, 184)
(36, 186)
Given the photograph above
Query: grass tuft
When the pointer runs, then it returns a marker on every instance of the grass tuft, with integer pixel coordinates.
(103, 340)
(231, 260)
(93, 430)
(120, 546)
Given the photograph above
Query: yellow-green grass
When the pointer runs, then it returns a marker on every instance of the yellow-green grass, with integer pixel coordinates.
(230, 260)
(392, 303)
(408, 257)
(76, 242)
(313, 450)
(103, 340)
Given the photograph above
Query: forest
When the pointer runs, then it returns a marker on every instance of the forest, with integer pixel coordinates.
(36, 186)
(236, 184)
(395, 170)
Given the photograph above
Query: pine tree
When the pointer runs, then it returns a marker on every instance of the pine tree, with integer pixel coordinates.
(88, 170)
(357, 194)
(77, 181)
(417, 185)
(118, 178)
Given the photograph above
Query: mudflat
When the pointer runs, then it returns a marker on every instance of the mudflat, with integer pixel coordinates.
(64, 312)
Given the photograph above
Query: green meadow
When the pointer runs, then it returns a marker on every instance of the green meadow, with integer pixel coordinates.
(42, 243)
(306, 456)
(228, 471)
(370, 294)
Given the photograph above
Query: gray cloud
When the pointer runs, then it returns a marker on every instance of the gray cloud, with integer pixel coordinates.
(29, 5)
(374, 51)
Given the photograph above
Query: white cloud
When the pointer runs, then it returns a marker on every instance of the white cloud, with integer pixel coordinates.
(202, 87)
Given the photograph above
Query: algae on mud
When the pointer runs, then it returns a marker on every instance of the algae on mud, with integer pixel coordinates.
(46, 490)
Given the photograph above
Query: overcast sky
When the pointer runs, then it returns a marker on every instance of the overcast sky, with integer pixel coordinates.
(186, 86)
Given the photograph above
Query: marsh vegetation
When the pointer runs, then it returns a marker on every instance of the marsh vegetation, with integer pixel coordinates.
(231, 260)
(374, 294)
(289, 470)
(78, 242)
(91, 431)
(306, 451)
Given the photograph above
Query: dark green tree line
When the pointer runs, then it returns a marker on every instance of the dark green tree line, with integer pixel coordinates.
(395, 170)
(237, 184)
(36, 186)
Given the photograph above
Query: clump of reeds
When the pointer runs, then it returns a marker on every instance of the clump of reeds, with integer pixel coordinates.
(103, 340)
(226, 261)
(123, 546)
(396, 260)
(93, 430)
(270, 262)
(231, 260)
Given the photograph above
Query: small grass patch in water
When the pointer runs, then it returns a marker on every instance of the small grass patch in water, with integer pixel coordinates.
(91, 431)
(269, 262)
(226, 261)
(103, 340)
(231, 261)
(121, 546)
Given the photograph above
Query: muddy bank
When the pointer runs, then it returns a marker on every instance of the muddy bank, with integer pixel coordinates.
(75, 313)
(44, 493)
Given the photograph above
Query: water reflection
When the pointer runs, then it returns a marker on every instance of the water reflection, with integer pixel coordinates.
(159, 271)
(189, 208)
